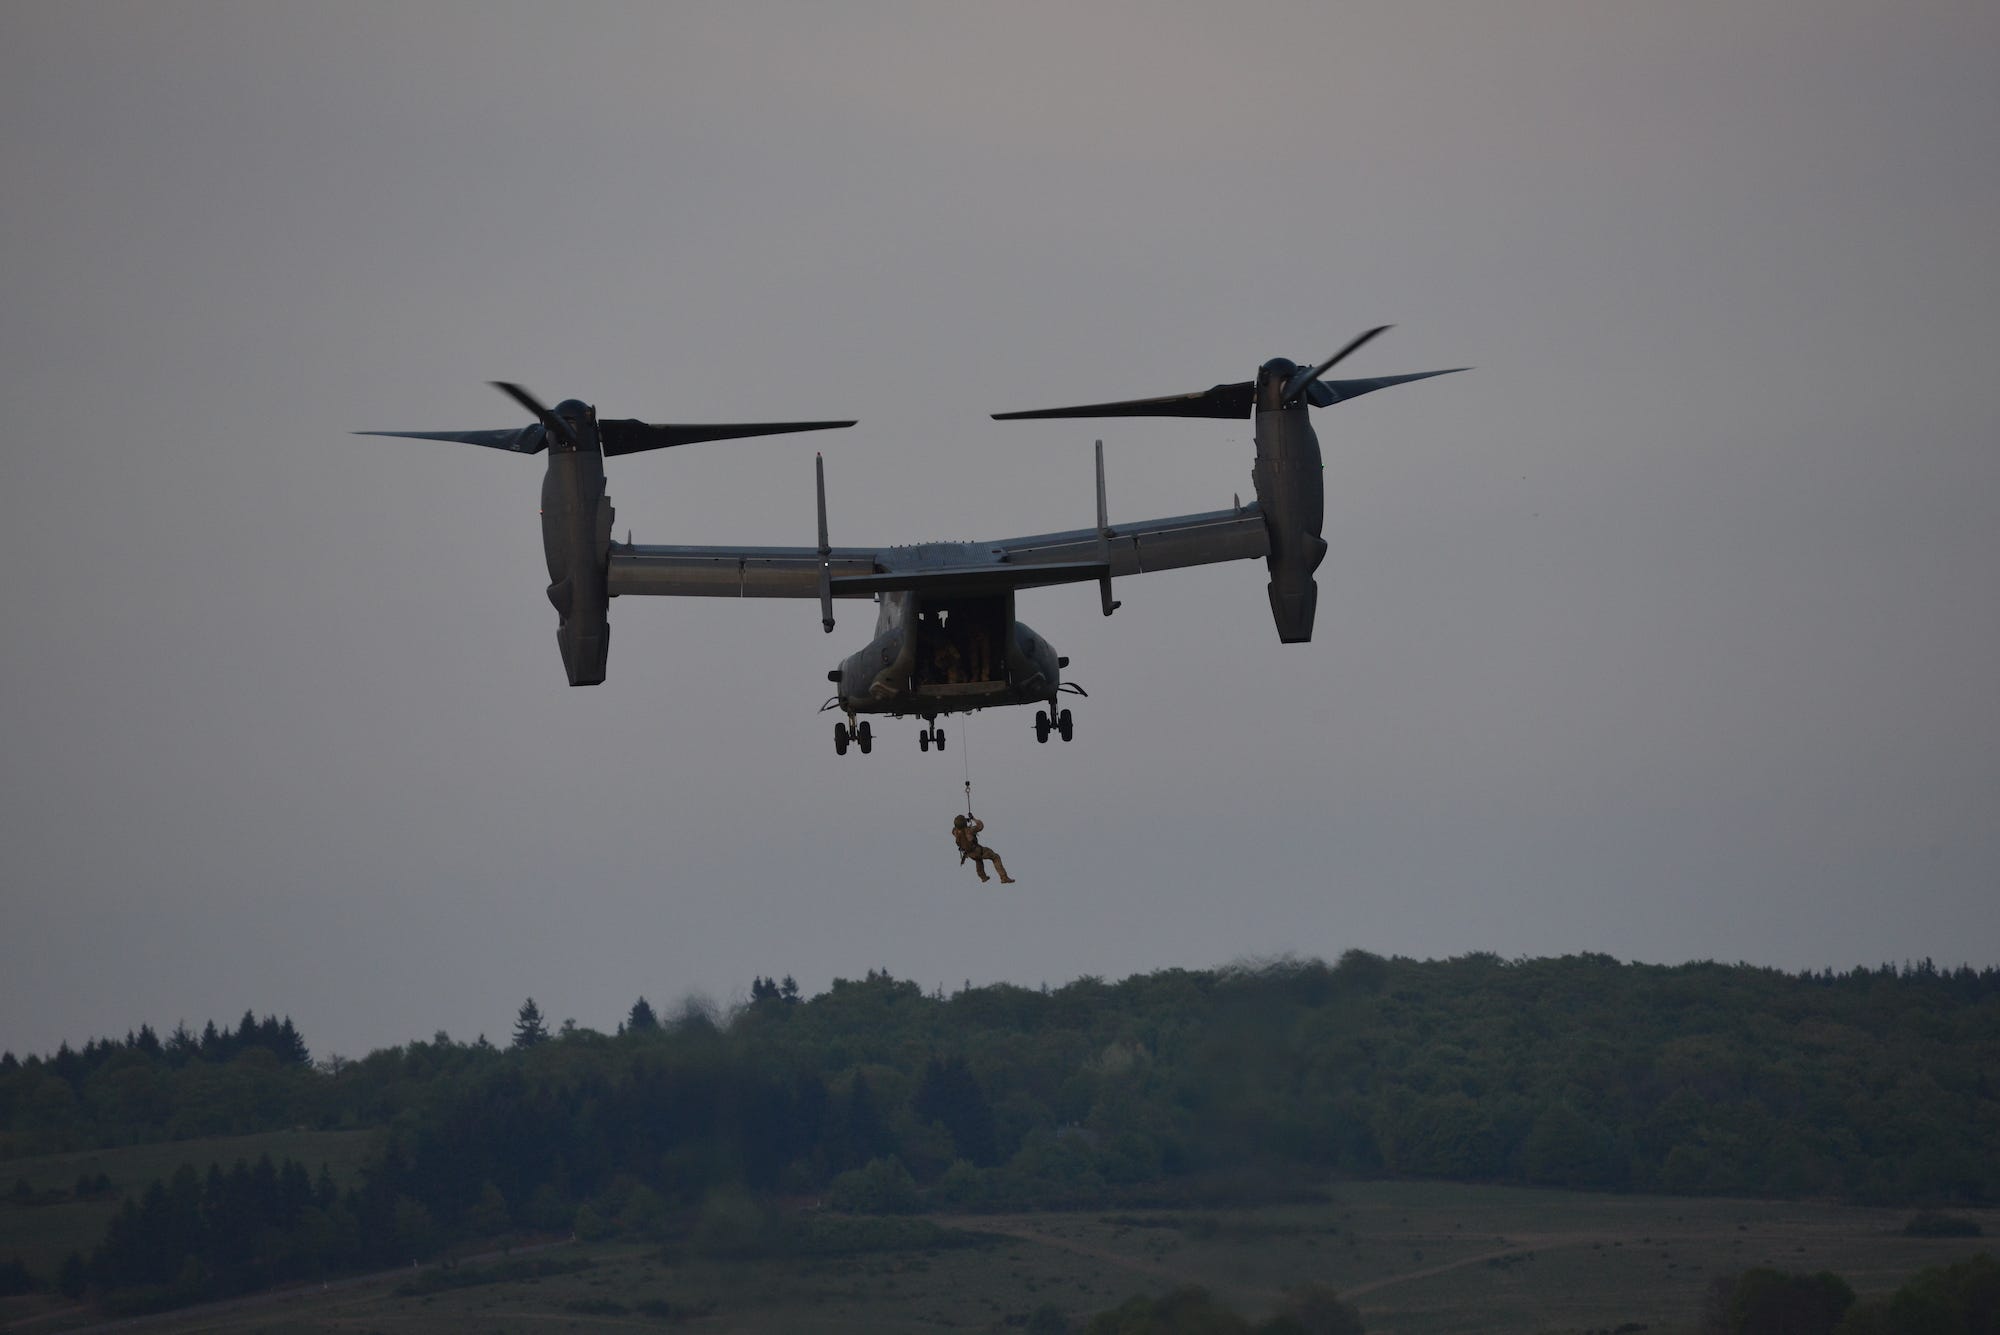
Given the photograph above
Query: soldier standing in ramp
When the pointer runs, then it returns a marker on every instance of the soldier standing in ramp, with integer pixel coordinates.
(965, 833)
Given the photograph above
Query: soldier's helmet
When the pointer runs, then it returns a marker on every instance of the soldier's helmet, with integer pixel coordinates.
(958, 822)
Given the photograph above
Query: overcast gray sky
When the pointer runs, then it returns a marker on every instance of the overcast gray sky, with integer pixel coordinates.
(1671, 631)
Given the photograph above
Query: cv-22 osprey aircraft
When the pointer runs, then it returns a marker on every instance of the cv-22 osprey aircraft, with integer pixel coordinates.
(946, 638)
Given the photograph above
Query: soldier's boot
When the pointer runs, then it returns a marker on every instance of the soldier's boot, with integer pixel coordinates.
(1001, 867)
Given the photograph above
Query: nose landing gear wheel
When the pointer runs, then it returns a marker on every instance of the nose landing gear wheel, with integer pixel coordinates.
(1041, 725)
(840, 739)
(1063, 726)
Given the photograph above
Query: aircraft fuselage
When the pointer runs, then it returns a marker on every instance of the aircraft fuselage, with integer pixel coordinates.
(938, 653)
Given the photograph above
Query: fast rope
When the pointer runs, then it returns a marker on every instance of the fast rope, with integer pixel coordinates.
(965, 754)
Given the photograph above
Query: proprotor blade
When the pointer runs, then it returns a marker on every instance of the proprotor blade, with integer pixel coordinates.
(1219, 401)
(547, 418)
(1307, 375)
(1324, 393)
(520, 439)
(628, 435)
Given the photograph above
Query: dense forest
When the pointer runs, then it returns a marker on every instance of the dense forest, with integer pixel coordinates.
(145, 1089)
(1875, 1085)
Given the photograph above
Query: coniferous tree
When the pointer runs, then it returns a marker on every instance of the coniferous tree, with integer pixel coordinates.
(528, 1027)
(642, 1016)
(862, 1126)
(950, 1096)
(291, 1045)
(67, 1064)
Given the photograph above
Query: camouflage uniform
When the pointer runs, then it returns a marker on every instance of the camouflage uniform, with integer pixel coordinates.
(965, 833)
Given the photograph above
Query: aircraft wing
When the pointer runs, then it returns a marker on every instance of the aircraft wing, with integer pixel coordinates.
(945, 568)
(1152, 544)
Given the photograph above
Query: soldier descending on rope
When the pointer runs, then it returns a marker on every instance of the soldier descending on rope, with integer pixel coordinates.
(965, 832)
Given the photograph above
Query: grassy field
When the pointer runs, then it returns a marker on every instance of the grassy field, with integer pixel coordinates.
(1417, 1258)
(41, 1234)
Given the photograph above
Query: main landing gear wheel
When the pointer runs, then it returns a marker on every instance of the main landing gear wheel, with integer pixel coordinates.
(1063, 726)
(1041, 725)
(932, 735)
(840, 739)
(864, 737)
(924, 740)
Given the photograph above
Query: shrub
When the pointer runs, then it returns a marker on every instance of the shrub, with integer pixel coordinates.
(884, 1186)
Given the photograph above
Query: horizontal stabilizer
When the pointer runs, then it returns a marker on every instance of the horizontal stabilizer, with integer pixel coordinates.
(520, 439)
(626, 435)
(1219, 401)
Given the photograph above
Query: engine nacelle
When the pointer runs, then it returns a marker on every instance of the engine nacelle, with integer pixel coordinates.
(576, 514)
(1290, 484)
(576, 541)
(1287, 474)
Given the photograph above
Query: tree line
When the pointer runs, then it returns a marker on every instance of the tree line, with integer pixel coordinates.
(1961, 1296)
(1871, 1085)
(142, 1089)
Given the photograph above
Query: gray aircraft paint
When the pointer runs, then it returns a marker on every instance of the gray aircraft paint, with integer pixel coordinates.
(949, 579)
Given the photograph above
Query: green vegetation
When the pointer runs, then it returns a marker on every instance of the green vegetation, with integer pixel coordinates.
(1175, 1089)
(50, 1220)
(1190, 1310)
(1961, 1296)
(1964, 1295)
(1419, 1258)
(256, 1077)
(1768, 1302)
